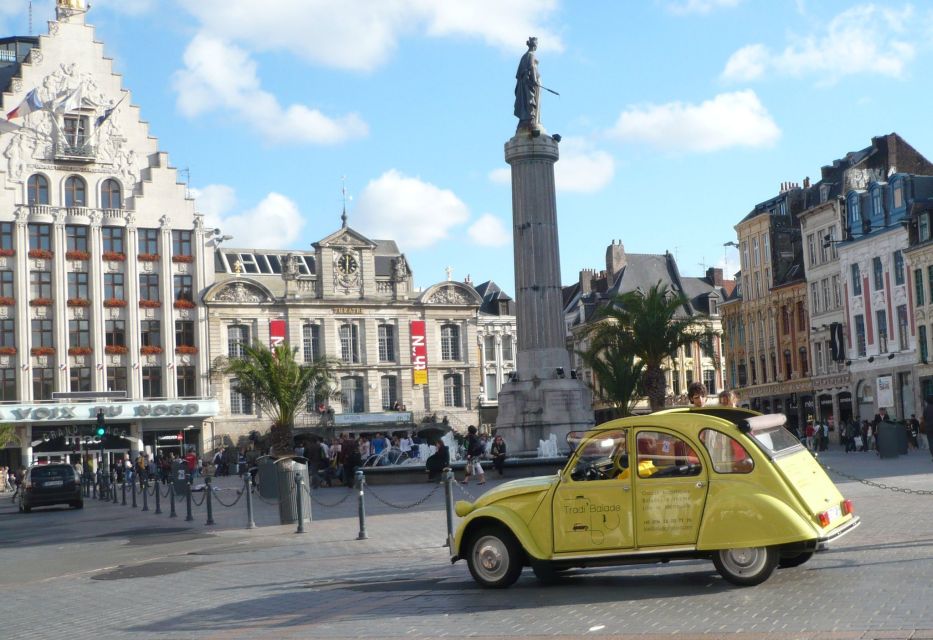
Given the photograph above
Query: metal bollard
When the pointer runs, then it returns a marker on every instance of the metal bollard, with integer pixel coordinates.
(189, 517)
(93, 488)
(250, 523)
(298, 501)
(359, 483)
(210, 509)
(133, 487)
(158, 507)
(123, 491)
(113, 485)
(449, 503)
(146, 495)
(171, 498)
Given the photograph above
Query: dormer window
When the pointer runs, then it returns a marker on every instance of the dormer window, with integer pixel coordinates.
(855, 216)
(713, 305)
(824, 192)
(877, 208)
(898, 195)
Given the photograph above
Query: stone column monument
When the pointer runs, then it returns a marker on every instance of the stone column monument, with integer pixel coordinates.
(542, 398)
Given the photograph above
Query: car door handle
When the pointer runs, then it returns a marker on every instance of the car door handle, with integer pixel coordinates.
(625, 487)
(700, 485)
(580, 527)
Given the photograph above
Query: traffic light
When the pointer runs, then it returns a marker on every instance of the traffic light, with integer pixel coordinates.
(101, 429)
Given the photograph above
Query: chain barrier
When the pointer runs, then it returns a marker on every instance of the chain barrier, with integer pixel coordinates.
(273, 503)
(203, 497)
(239, 495)
(325, 504)
(414, 504)
(463, 490)
(877, 485)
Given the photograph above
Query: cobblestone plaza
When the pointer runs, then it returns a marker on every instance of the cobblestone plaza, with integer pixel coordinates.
(110, 571)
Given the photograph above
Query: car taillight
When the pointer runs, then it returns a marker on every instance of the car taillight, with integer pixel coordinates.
(824, 519)
(847, 507)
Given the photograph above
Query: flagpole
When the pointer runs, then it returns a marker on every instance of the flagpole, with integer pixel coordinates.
(107, 113)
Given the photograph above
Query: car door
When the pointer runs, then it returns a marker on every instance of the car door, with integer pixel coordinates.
(670, 488)
(592, 505)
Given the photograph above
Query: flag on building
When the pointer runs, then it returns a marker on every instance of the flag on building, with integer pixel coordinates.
(71, 101)
(109, 112)
(30, 103)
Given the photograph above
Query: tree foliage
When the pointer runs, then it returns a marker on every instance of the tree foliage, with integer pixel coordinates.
(281, 386)
(644, 327)
(7, 434)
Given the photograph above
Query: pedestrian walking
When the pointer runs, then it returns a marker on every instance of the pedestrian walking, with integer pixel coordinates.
(498, 452)
(475, 451)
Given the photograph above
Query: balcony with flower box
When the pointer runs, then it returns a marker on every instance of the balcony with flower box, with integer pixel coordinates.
(7, 351)
(7, 253)
(113, 256)
(78, 256)
(114, 303)
(42, 351)
(41, 254)
(148, 257)
(78, 302)
(150, 304)
(116, 350)
(80, 351)
(186, 350)
(150, 350)
(184, 304)
(41, 302)
(182, 259)
(7, 301)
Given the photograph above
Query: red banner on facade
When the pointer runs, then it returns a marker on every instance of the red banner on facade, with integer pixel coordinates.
(276, 333)
(419, 352)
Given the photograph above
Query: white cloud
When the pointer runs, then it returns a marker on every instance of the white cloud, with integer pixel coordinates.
(132, 7)
(415, 212)
(728, 120)
(218, 75)
(685, 7)
(274, 223)
(581, 168)
(862, 40)
(363, 36)
(489, 231)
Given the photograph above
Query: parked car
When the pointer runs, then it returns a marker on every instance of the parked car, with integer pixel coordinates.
(49, 484)
(719, 483)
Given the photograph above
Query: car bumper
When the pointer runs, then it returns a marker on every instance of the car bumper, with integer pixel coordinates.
(824, 541)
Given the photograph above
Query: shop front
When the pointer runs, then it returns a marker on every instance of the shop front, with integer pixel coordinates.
(62, 431)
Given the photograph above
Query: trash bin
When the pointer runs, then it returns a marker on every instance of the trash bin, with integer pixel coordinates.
(179, 476)
(901, 438)
(268, 488)
(889, 436)
(285, 473)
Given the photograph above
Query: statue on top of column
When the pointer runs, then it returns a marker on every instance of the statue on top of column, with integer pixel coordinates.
(528, 88)
(77, 5)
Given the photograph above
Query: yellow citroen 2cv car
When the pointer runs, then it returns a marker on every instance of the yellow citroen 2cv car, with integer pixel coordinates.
(720, 483)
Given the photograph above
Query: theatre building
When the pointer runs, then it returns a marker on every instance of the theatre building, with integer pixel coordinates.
(403, 357)
(101, 260)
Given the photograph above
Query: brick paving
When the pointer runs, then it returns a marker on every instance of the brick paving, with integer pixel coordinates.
(111, 571)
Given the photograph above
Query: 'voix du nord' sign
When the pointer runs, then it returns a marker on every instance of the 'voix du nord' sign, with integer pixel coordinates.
(124, 410)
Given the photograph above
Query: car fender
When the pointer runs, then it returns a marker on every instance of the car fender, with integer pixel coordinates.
(756, 519)
(504, 517)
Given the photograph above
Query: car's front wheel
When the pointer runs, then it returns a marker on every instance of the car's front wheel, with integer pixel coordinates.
(746, 566)
(495, 557)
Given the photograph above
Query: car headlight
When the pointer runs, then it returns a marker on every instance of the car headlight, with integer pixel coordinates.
(462, 508)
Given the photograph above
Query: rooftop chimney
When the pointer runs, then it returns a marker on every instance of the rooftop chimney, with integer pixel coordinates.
(615, 259)
(714, 275)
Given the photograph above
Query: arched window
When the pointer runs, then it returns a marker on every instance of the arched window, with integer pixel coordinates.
(453, 390)
(37, 189)
(75, 192)
(450, 342)
(351, 393)
(111, 196)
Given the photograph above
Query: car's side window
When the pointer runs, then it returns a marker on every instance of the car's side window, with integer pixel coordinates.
(663, 455)
(603, 457)
(727, 454)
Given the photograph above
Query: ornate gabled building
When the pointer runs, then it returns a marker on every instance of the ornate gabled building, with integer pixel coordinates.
(497, 338)
(353, 301)
(627, 272)
(101, 261)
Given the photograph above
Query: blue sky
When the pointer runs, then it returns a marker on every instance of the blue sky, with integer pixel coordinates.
(677, 116)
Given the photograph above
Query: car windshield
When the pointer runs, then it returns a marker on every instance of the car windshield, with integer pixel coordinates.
(775, 440)
(53, 473)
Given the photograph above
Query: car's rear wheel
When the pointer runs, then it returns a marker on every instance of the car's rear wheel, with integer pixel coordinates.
(494, 557)
(746, 566)
(78, 505)
(786, 562)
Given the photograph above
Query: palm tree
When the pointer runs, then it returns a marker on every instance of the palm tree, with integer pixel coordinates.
(281, 386)
(617, 376)
(646, 325)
